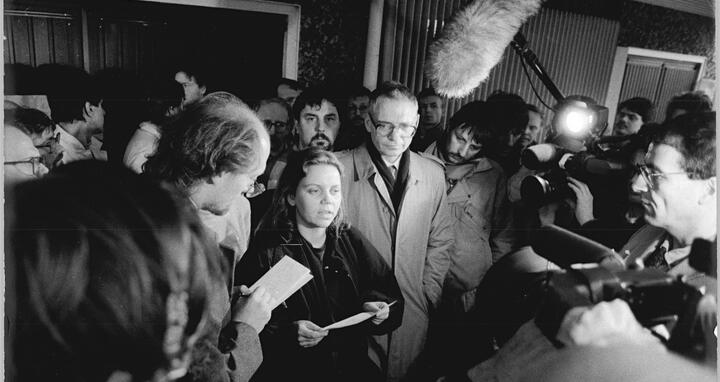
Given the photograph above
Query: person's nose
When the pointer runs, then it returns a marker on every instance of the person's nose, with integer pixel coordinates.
(464, 150)
(321, 126)
(638, 184)
(42, 170)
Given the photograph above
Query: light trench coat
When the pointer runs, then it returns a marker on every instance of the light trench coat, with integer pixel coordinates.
(482, 224)
(417, 245)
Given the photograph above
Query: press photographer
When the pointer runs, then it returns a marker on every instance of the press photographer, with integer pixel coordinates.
(677, 189)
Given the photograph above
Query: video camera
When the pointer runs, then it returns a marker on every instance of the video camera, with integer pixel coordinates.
(653, 296)
(597, 169)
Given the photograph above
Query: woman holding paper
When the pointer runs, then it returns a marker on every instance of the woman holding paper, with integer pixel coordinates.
(349, 277)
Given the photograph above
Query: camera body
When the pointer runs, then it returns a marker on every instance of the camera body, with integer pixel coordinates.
(653, 296)
(598, 169)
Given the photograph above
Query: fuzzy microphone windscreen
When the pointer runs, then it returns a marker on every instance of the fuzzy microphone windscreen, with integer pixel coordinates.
(473, 43)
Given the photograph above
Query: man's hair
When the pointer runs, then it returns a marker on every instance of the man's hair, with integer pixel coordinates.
(692, 102)
(532, 108)
(508, 112)
(198, 70)
(98, 266)
(67, 89)
(360, 91)
(276, 100)
(30, 121)
(313, 96)
(428, 92)
(693, 135)
(391, 90)
(477, 118)
(281, 215)
(641, 106)
(214, 135)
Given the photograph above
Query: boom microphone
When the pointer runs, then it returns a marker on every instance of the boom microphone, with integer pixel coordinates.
(473, 43)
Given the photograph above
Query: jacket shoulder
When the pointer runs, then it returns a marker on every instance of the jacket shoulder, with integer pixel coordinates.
(430, 160)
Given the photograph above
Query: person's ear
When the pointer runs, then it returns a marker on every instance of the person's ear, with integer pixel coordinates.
(368, 124)
(710, 190)
(203, 90)
(87, 110)
(291, 199)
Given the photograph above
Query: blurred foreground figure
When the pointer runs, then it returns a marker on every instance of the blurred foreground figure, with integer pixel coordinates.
(111, 276)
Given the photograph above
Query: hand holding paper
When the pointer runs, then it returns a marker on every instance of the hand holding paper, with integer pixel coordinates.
(283, 279)
(309, 334)
(360, 317)
(255, 309)
(380, 309)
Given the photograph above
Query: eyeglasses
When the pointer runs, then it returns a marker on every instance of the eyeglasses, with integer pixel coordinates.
(651, 177)
(386, 128)
(275, 124)
(255, 190)
(35, 163)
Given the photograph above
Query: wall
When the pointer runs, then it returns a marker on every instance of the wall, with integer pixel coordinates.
(650, 27)
(333, 35)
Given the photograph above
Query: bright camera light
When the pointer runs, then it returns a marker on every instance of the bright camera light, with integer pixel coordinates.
(578, 121)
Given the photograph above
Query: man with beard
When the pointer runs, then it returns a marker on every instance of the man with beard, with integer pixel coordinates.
(481, 220)
(632, 114)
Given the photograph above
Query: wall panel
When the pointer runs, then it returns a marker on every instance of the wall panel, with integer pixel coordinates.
(36, 38)
(576, 51)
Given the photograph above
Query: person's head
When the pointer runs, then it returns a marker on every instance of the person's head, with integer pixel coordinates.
(193, 79)
(678, 182)
(22, 158)
(357, 107)
(213, 151)
(164, 100)
(468, 134)
(690, 102)
(276, 115)
(317, 118)
(288, 90)
(112, 276)
(430, 105)
(509, 115)
(33, 122)
(309, 193)
(531, 133)
(73, 97)
(631, 115)
(392, 119)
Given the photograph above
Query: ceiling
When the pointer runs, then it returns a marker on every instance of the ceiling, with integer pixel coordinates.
(699, 7)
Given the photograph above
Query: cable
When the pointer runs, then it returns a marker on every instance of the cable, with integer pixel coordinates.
(532, 85)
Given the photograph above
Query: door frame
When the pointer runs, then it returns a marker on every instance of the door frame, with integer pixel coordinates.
(291, 48)
(620, 63)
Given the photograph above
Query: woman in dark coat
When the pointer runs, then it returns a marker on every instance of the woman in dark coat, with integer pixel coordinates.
(349, 276)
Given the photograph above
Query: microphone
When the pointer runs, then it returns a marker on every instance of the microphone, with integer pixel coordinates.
(473, 43)
(566, 248)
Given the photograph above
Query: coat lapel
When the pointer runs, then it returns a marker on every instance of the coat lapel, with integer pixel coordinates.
(365, 169)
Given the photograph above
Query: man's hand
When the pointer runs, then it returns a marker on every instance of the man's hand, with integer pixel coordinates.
(604, 324)
(380, 308)
(254, 308)
(584, 200)
(309, 334)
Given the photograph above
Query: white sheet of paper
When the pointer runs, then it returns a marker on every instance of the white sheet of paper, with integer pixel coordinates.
(352, 320)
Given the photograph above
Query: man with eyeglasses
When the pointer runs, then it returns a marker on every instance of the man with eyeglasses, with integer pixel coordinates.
(678, 191)
(22, 158)
(397, 199)
(275, 114)
(213, 152)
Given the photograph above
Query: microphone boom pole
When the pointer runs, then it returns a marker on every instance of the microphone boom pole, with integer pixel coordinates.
(519, 43)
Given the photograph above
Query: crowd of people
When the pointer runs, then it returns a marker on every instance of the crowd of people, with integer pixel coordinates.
(136, 223)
